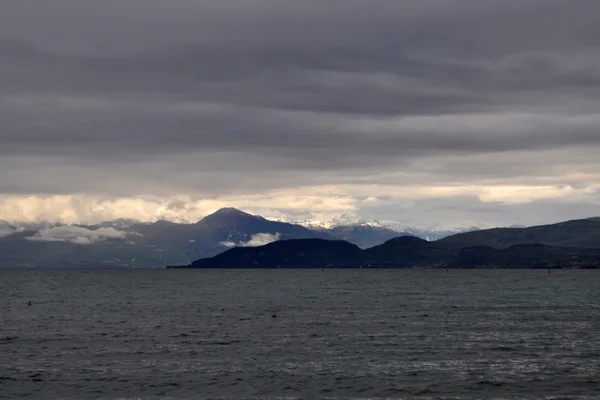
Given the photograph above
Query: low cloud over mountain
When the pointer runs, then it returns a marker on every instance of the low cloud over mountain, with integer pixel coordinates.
(76, 235)
(259, 239)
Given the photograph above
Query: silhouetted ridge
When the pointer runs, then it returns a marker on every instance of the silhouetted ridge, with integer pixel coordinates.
(299, 253)
(528, 246)
(410, 250)
(407, 240)
(583, 233)
(364, 236)
(401, 252)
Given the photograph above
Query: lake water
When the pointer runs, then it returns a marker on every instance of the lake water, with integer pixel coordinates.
(287, 334)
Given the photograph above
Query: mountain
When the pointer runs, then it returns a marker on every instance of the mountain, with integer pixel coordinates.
(583, 233)
(133, 244)
(130, 243)
(411, 251)
(28, 226)
(363, 236)
(527, 256)
(299, 253)
(354, 229)
(430, 234)
(381, 228)
(349, 219)
(344, 219)
(120, 223)
(403, 252)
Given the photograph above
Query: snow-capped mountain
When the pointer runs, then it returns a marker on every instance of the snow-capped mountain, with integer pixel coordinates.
(354, 220)
(315, 223)
(120, 223)
(349, 219)
(28, 226)
(345, 219)
(431, 232)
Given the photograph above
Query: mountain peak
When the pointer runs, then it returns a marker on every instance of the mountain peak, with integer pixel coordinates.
(119, 223)
(344, 219)
(351, 219)
(229, 211)
(228, 215)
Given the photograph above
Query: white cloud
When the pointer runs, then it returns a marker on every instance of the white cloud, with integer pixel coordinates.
(82, 240)
(77, 235)
(258, 239)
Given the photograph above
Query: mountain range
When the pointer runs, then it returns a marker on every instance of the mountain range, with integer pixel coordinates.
(133, 244)
(347, 219)
(130, 243)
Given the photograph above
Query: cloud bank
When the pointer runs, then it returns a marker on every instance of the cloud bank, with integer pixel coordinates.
(77, 235)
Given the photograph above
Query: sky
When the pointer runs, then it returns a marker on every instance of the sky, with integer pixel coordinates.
(432, 113)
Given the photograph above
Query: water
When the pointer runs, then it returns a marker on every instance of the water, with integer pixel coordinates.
(338, 334)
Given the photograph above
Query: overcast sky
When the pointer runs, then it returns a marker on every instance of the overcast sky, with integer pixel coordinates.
(429, 112)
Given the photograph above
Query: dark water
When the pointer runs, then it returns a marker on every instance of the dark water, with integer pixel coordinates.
(230, 334)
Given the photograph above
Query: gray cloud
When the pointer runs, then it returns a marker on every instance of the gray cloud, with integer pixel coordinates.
(7, 231)
(213, 98)
(76, 234)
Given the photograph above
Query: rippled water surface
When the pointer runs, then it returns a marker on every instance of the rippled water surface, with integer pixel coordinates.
(237, 334)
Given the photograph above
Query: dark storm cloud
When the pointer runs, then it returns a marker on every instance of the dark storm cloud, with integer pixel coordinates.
(222, 95)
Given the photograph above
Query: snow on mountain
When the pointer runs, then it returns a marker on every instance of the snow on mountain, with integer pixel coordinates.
(350, 219)
(345, 219)
(282, 218)
(120, 223)
(28, 226)
(316, 223)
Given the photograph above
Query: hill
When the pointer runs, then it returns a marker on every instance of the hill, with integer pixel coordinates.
(403, 252)
(526, 256)
(301, 253)
(363, 235)
(584, 233)
(410, 251)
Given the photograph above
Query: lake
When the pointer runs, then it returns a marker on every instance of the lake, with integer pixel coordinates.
(299, 334)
